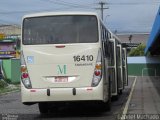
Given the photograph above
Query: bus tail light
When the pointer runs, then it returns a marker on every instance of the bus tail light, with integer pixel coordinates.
(97, 71)
(24, 73)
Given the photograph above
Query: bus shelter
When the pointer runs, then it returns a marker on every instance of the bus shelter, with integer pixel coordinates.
(153, 44)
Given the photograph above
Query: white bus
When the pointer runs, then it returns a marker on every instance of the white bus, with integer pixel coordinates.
(68, 57)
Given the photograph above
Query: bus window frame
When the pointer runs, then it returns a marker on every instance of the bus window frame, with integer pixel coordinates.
(98, 29)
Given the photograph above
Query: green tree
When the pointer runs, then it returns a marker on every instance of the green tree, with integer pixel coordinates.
(139, 51)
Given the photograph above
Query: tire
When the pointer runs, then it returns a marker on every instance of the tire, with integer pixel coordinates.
(115, 98)
(43, 108)
(120, 92)
(106, 106)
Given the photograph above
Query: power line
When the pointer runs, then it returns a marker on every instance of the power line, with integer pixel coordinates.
(29, 11)
(135, 3)
(74, 4)
(63, 3)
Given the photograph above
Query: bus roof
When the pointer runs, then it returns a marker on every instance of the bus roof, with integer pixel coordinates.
(59, 13)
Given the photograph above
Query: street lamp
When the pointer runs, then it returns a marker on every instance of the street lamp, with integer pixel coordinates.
(105, 20)
(130, 38)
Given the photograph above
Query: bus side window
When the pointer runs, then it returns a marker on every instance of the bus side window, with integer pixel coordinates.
(109, 35)
(111, 53)
(107, 44)
(103, 34)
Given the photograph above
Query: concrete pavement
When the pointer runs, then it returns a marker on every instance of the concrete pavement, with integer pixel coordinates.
(146, 96)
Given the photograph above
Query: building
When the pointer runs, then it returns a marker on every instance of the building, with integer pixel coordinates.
(11, 67)
(10, 30)
(135, 38)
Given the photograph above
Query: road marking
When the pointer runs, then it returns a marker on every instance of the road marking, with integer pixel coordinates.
(129, 99)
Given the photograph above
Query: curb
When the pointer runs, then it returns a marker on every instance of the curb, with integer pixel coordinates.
(10, 92)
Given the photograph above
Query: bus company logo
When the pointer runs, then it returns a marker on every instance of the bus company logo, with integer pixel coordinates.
(62, 69)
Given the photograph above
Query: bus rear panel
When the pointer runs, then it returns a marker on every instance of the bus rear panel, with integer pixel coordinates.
(70, 57)
(61, 58)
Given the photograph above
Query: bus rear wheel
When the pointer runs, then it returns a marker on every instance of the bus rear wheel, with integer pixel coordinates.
(43, 108)
(120, 92)
(107, 105)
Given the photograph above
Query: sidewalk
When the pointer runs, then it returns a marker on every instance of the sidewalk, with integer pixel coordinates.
(146, 96)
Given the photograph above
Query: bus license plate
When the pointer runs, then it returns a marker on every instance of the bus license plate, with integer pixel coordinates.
(61, 79)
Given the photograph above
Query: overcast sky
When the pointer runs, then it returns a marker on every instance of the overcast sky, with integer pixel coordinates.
(122, 15)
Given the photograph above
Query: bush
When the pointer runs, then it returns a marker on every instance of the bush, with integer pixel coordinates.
(8, 81)
(3, 84)
(139, 51)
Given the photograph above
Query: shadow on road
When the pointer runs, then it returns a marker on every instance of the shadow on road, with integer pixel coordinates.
(69, 112)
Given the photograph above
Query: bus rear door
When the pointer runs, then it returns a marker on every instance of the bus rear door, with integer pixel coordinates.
(113, 67)
(119, 68)
(125, 70)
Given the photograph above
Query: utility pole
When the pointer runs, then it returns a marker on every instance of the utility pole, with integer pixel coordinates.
(102, 7)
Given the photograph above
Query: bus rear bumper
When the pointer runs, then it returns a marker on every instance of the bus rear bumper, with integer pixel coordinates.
(61, 94)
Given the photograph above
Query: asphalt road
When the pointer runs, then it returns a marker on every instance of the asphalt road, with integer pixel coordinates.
(11, 107)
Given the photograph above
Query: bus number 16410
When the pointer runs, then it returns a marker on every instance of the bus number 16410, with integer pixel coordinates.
(79, 58)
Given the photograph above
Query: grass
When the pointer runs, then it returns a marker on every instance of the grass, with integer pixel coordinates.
(5, 90)
(5, 87)
(3, 83)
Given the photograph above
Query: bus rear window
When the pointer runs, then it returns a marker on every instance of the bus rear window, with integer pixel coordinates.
(60, 29)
